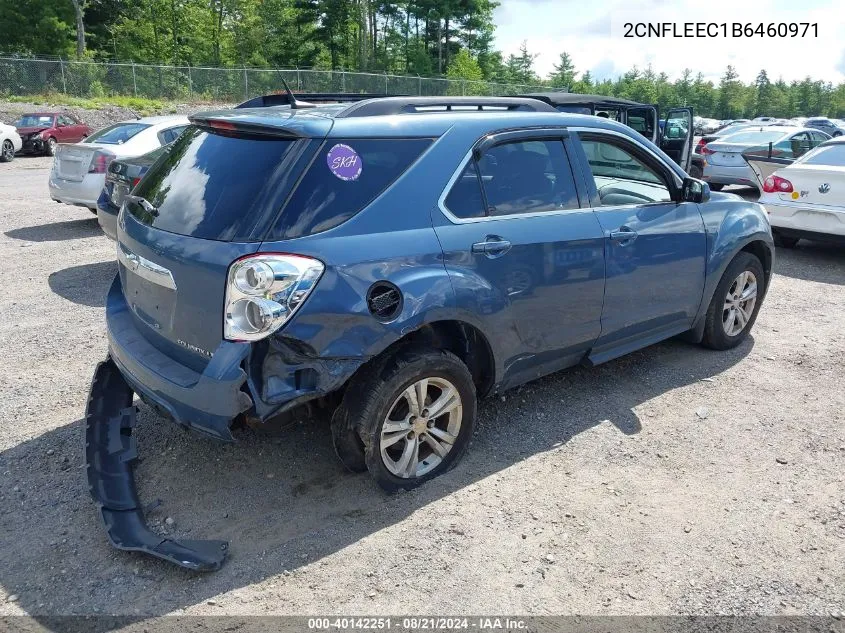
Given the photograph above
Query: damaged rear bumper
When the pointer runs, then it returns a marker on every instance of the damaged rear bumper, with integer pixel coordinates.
(110, 451)
(206, 402)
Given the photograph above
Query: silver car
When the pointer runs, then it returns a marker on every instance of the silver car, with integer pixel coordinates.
(79, 170)
(724, 162)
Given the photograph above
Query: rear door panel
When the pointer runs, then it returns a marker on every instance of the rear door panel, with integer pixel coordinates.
(545, 284)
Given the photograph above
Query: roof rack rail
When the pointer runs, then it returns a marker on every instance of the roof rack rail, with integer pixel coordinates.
(321, 98)
(413, 105)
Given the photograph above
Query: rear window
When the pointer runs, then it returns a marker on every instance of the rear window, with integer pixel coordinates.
(116, 134)
(833, 155)
(344, 177)
(755, 137)
(216, 186)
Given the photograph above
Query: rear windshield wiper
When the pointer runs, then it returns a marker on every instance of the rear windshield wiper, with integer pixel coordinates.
(145, 204)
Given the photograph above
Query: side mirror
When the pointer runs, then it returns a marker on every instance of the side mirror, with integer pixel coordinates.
(694, 190)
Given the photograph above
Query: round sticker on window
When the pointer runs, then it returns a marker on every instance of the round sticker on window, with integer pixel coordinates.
(344, 162)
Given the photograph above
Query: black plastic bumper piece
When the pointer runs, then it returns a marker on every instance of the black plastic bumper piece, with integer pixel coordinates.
(110, 451)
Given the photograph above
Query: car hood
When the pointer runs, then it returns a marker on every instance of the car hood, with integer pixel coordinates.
(31, 130)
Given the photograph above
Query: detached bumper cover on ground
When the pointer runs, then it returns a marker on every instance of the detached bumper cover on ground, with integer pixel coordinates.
(110, 451)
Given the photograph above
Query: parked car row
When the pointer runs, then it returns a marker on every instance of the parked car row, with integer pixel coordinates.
(79, 170)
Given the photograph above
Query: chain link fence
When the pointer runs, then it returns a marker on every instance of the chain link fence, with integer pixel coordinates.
(23, 76)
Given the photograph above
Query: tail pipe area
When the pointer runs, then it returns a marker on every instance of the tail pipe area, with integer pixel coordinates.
(110, 453)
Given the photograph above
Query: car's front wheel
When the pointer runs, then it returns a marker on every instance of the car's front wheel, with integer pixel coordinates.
(7, 152)
(414, 416)
(735, 303)
(50, 147)
(695, 171)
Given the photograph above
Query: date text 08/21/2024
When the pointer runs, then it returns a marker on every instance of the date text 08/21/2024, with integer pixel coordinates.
(431, 623)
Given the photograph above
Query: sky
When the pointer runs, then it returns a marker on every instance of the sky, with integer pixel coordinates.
(591, 33)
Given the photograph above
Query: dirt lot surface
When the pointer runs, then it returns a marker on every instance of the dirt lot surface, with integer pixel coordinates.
(675, 480)
(99, 117)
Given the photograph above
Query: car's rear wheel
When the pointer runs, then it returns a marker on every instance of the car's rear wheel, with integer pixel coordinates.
(413, 414)
(7, 152)
(735, 304)
(785, 241)
(716, 186)
(50, 147)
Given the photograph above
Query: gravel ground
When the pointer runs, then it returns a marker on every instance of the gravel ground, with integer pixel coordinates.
(673, 481)
(99, 117)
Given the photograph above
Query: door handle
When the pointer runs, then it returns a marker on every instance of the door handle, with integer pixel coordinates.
(623, 235)
(492, 246)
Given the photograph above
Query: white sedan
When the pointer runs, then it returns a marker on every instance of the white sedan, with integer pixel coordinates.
(79, 170)
(10, 142)
(807, 198)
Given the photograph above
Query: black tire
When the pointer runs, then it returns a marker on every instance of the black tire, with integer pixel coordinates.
(50, 147)
(370, 397)
(785, 241)
(715, 336)
(695, 171)
(714, 186)
(7, 152)
(347, 443)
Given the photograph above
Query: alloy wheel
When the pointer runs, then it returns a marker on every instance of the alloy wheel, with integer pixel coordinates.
(421, 427)
(739, 303)
(8, 150)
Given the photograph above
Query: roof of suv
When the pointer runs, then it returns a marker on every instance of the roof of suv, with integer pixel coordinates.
(406, 116)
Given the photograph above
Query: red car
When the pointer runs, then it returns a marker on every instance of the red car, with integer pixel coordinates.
(41, 131)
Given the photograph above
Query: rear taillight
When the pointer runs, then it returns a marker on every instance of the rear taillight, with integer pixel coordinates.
(776, 184)
(135, 181)
(706, 150)
(263, 291)
(100, 162)
(700, 145)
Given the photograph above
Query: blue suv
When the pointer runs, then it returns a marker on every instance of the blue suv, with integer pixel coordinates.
(390, 261)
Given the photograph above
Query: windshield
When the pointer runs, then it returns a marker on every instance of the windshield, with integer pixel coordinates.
(756, 137)
(833, 155)
(35, 120)
(116, 134)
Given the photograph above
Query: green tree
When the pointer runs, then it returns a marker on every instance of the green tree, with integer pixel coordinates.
(520, 68)
(763, 101)
(730, 95)
(564, 73)
(464, 68)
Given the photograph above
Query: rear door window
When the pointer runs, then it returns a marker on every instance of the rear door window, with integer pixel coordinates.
(217, 186)
(529, 176)
(344, 177)
(116, 134)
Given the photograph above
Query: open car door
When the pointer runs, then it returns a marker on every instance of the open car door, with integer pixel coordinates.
(643, 119)
(676, 140)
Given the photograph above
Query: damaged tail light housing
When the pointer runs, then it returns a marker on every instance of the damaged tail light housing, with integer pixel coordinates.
(263, 291)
